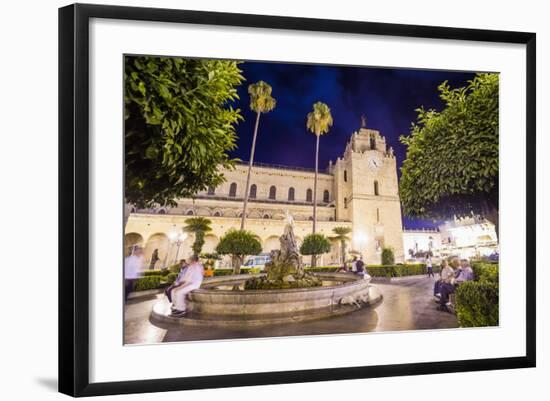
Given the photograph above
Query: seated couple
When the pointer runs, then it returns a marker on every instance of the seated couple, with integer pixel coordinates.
(450, 279)
(189, 279)
(357, 267)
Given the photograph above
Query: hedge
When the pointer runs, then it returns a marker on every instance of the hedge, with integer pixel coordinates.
(322, 269)
(171, 277)
(147, 283)
(163, 272)
(477, 302)
(398, 270)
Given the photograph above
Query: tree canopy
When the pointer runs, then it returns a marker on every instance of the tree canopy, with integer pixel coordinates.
(342, 236)
(319, 120)
(261, 100)
(238, 244)
(315, 244)
(199, 226)
(179, 126)
(451, 168)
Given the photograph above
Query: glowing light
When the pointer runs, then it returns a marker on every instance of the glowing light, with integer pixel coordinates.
(360, 238)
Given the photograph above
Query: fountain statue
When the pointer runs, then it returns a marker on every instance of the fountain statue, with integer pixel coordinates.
(286, 268)
(288, 254)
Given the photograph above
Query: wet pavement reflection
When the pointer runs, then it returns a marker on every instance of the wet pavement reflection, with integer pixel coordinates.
(407, 305)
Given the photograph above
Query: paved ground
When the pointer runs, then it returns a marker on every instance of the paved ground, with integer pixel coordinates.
(408, 305)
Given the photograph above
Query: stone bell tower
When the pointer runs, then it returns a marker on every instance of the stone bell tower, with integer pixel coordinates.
(367, 194)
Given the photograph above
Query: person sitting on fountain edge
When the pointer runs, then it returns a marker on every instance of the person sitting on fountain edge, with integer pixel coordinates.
(191, 280)
(183, 268)
(360, 267)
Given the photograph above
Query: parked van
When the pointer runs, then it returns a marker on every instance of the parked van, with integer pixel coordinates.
(257, 261)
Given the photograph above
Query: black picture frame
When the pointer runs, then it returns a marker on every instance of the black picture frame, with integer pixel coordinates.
(74, 201)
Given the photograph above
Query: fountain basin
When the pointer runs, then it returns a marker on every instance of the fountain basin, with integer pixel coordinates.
(212, 305)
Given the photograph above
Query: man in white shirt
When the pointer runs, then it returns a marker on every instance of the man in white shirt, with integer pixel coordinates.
(133, 268)
(191, 280)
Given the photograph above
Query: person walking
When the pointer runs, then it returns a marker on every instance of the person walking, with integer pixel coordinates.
(133, 268)
(154, 259)
(429, 266)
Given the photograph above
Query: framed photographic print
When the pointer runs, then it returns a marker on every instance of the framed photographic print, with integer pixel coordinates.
(236, 189)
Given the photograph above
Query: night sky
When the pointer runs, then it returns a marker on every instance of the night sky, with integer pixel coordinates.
(387, 97)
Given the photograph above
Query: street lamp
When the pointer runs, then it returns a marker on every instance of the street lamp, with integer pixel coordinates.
(177, 237)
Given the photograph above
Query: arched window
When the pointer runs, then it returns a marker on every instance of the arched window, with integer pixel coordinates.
(189, 213)
(376, 188)
(291, 194)
(310, 218)
(345, 203)
(377, 215)
(133, 210)
(253, 190)
(372, 142)
(326, 196)
(162, 211)
(309, 195)
(345, 176)
(272, 192)
(217, 214)
(233, 190)
(211, 191)
(266, 216)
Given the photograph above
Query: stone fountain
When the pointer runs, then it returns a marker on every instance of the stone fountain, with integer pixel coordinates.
(285, 293)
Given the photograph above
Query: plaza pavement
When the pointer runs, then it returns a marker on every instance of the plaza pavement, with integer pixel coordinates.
(407, 305)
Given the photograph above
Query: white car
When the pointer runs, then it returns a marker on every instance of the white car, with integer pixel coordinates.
(257, 261)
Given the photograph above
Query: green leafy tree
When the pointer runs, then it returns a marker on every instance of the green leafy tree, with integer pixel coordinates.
(451, 168)
(318, 122)
(198, 226)
(388, 257)
(261, 101)
(238, 244)
(342, 236)
(179, 126)
(314, 245)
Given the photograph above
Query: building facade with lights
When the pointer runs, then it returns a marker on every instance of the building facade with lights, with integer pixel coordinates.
(359, 190)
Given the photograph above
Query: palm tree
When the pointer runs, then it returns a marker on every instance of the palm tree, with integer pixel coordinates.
(318, 122)
(261, 101)
(199, 226)
(342, 236)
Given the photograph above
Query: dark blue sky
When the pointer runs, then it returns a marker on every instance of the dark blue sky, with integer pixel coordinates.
(387, 97)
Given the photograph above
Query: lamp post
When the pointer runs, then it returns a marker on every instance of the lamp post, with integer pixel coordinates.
(177, 238)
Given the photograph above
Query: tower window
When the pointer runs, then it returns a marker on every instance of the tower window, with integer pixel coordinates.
(291, 194)
(253, 190)
(272, 192)
(345, 176)
(377, 215)
(372, 142)
(309, 195)
(326, 196)
(211, 191)
(345, 203)
(376, 188)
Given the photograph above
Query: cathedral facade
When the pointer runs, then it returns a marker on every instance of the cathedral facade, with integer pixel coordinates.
(359, 190)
